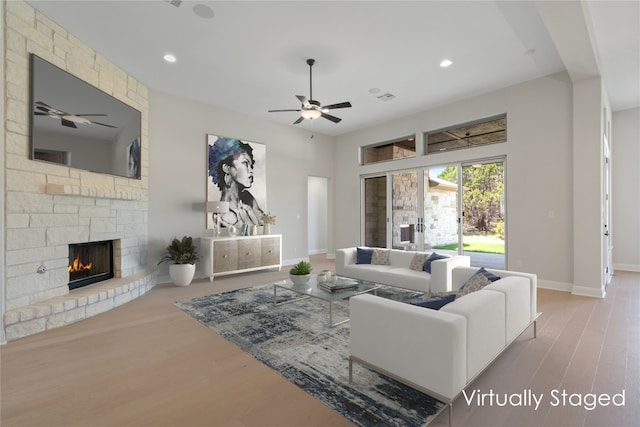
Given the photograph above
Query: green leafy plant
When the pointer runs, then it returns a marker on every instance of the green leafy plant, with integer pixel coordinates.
(301, 269)
(181, 252)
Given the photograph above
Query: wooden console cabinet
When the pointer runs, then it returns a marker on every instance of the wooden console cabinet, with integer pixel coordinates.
(229, 255)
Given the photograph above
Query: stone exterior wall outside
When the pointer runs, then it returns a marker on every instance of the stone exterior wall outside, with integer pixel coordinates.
(440, 216)
(49, 206)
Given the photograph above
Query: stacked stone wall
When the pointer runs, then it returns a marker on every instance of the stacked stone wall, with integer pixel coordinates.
(49, 206)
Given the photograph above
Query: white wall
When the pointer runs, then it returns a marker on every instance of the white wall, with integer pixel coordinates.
(178, 129)
(625, 164)
(539, 155)
(588, 159)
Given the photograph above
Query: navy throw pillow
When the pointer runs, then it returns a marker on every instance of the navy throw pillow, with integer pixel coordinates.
(435, 303)
(492, 277)
(427, 264)
(364, 255)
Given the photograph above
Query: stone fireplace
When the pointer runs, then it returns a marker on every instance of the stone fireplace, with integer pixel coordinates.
(89, 263)
(49, 206)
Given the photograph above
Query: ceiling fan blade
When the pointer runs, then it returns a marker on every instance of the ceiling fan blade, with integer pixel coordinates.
(339, 105)
(102, 124)
(40, 113)
(304, 100)
(280, 111)
(334, 119)
(68, 123)
(87, 115)
(299, 120)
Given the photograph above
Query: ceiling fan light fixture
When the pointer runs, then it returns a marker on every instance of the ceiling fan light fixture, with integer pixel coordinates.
(310, 114)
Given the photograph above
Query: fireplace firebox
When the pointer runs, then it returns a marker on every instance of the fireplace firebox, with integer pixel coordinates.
(90, 263)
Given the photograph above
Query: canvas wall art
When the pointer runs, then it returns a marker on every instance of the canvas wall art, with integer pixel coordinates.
(236, 173)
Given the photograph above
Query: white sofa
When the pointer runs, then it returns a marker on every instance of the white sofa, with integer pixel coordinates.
(398, 273)
(440, 352)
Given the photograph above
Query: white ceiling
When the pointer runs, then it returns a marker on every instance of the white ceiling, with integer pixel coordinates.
(250, 57)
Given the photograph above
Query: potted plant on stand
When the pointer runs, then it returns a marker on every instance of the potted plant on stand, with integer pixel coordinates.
(182, 255)
(300, 273)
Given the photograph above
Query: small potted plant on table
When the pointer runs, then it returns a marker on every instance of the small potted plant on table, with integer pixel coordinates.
(267, 221)
(300, 273)
(182, 255)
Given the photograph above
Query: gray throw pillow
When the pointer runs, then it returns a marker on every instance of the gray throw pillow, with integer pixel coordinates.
(418, 260)
(380, 257)
(475, 283)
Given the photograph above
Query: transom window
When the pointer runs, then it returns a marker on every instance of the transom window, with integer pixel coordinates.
(486, 131)
(389, 150)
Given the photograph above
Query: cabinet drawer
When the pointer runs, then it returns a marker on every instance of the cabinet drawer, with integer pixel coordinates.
(270, 251)
(248, 253)
(225, 256)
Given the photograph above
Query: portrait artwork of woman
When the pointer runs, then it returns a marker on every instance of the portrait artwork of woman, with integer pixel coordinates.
(234, 178)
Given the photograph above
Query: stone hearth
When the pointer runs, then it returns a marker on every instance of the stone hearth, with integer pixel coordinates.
(78, 304)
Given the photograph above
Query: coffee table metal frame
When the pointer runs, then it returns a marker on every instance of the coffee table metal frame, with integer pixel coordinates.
(311, 290)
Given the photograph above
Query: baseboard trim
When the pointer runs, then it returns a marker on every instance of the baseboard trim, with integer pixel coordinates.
(586, 291)
(317, 251)
(626, 267)
(555, 286)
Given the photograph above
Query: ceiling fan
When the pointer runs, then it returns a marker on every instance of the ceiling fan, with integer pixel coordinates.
(67, 119)
(312, 109)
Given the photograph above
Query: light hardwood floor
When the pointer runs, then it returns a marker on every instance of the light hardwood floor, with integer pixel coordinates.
(148, 364)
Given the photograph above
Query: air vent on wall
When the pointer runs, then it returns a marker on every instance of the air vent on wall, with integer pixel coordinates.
(386, 97)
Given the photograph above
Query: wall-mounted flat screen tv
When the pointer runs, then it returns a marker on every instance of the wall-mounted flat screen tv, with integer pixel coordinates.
(75, 124)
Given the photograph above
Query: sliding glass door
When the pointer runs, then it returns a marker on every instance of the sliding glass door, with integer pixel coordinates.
(405, 233)
(375, 211)
(483, 219)
(441, 213)
(453, 209)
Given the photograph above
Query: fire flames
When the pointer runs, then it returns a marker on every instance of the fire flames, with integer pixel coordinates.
(77, 266)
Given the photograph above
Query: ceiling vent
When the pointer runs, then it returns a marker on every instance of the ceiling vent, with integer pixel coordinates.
(175, 3)
(386, 97)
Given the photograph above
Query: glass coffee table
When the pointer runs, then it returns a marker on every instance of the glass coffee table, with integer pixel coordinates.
(312, 290)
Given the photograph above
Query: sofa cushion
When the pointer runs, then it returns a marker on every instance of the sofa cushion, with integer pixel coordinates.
(486, 325)
(402, 278)
(364, 255)
(400, 258)
(418, 260)
(434, 303)
(518, 303)
(427, 264)
(380, 257)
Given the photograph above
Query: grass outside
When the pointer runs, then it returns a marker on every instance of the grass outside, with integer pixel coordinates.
(485, 244)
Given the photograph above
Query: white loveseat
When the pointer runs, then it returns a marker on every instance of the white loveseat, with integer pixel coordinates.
(440, 352)
(398, 272)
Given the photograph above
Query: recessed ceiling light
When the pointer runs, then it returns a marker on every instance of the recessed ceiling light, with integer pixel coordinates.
(169, 58)
(203, 11)
(445, 63)
(374, 90)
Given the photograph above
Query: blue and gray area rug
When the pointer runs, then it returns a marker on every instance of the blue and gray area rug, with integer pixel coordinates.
(295, 340)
